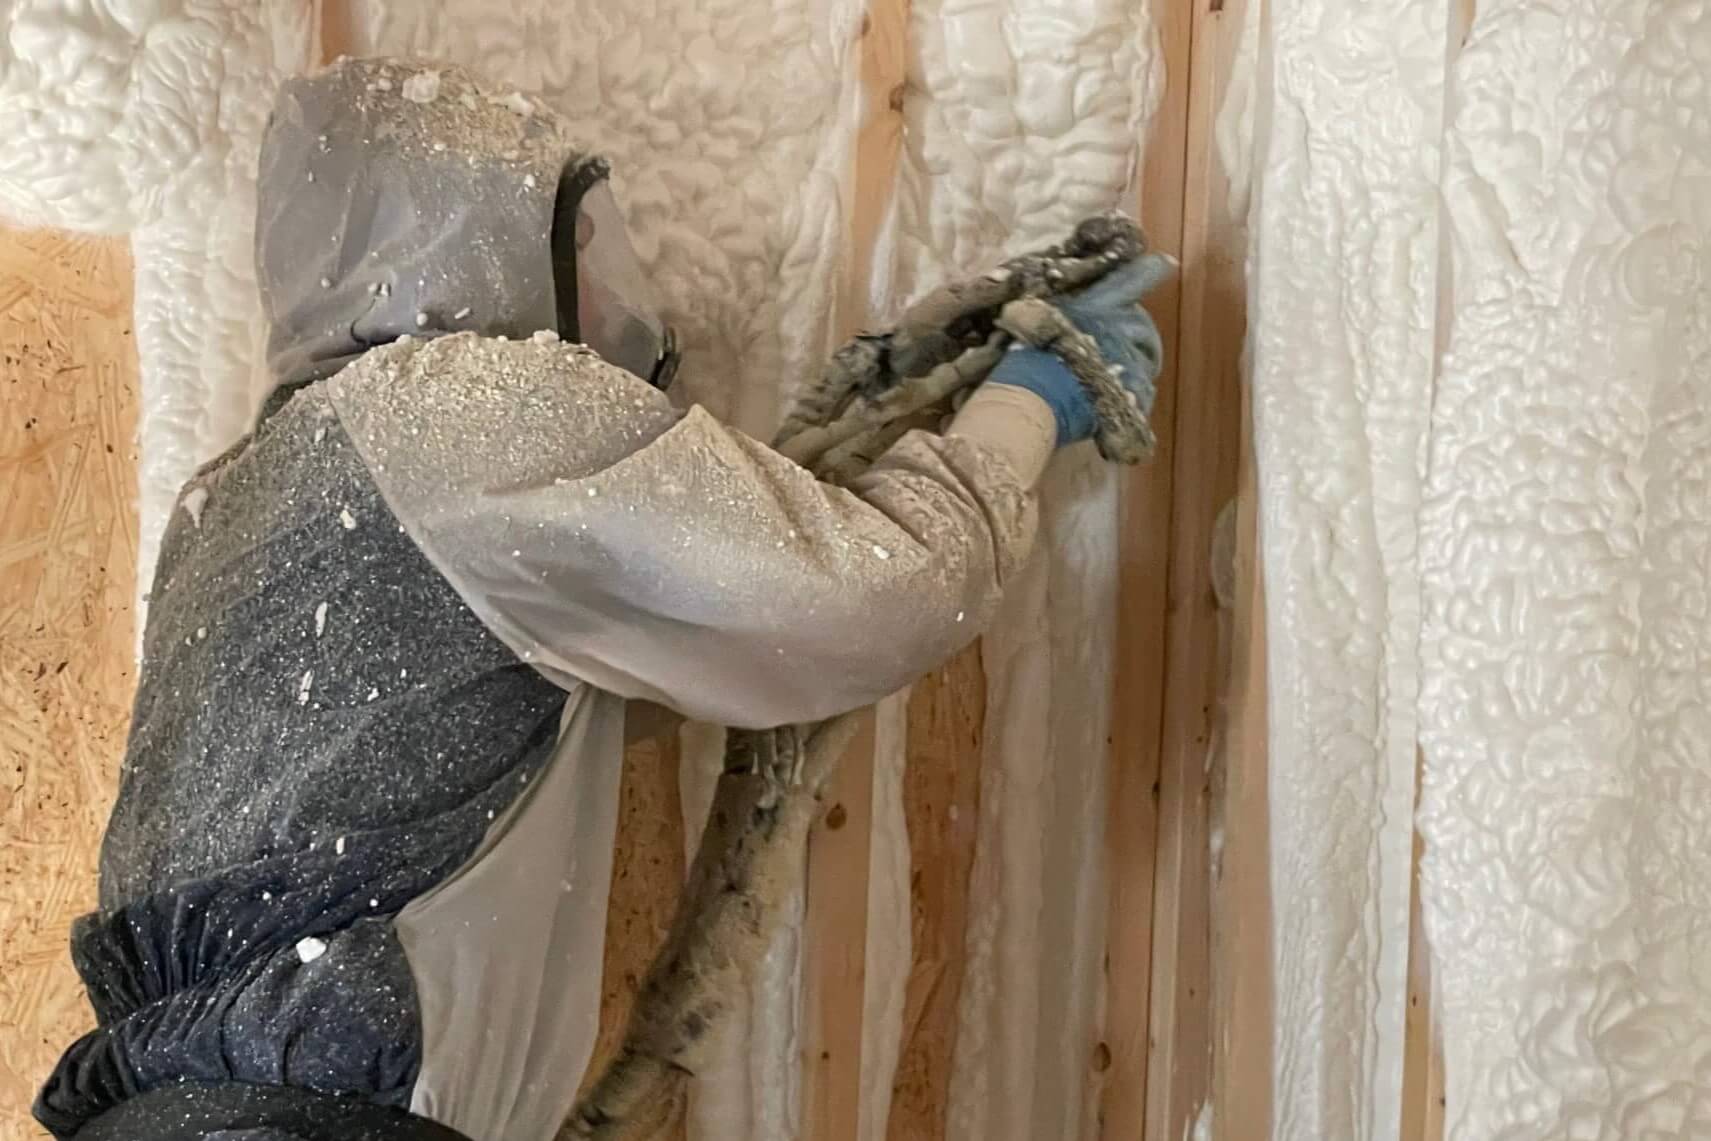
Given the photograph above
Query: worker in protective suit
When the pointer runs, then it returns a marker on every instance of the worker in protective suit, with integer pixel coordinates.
(388, 624)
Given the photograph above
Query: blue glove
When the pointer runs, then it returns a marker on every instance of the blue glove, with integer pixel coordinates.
(1110, 312)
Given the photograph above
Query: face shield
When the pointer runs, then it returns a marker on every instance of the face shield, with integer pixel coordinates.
(604, 300)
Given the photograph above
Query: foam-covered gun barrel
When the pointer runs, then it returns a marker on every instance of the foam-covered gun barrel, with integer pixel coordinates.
(878, 384)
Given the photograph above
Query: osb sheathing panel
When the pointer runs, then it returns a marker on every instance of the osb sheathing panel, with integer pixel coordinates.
(68, 543)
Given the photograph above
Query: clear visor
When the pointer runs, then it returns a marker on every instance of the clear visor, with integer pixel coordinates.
(616, 312)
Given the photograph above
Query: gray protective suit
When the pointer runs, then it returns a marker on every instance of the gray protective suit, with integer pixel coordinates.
(392, 634)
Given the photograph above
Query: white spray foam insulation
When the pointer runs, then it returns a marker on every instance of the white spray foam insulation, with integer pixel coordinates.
(889, 951)
(1023, 118)
(141, 117)
(735, 195)
(1343, 291)
(1566, 547)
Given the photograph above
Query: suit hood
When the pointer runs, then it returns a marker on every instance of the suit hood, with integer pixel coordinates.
(396, 197)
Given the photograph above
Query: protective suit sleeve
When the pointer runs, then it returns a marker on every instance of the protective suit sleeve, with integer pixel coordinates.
(699, 569)
(1013, 423)
(710, 574)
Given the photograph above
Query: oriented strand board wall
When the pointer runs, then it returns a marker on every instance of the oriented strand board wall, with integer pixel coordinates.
(68, 544)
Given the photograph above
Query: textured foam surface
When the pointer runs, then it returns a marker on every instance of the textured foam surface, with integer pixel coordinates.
(143, 116)
(735, 195)
(1343, 294)
(1532, 198)
(1566, 546)
(1030, 116)
(890, 939)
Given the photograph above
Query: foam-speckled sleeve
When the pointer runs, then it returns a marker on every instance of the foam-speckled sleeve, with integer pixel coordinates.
(711, 574)
(610, 541)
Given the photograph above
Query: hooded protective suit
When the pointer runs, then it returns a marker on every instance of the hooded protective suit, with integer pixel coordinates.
(389, 629)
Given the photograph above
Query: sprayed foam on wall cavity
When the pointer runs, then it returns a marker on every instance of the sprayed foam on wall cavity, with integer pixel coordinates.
(736, 197)
(1022, 119)
(1343, 291)
(131, 116)
(739, 200)
(890, 937)
(1566, 548)
(1552, 163)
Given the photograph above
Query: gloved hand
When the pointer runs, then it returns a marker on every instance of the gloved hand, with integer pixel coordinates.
(1110, 312)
